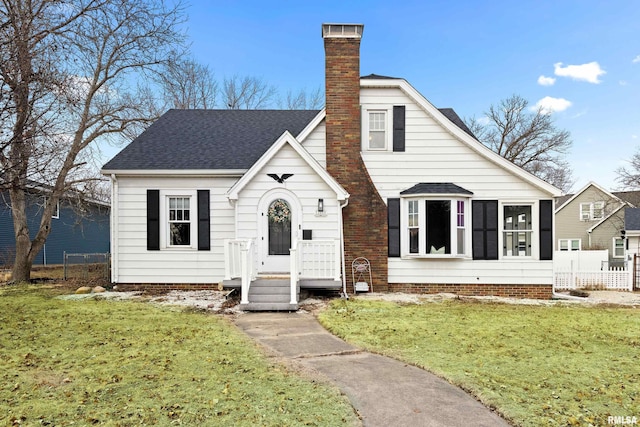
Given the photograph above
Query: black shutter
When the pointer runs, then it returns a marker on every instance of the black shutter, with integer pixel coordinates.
(546, 229)
(398, 127)
(204, 234)
(485, 229)
(393, 225)
(153, 220)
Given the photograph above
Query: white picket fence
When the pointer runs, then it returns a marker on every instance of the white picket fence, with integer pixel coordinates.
(613, 279)
(589, 271)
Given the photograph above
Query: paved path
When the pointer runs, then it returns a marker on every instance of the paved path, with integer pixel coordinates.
(385, 392)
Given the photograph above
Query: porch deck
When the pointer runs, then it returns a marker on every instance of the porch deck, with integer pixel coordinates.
(316, 263)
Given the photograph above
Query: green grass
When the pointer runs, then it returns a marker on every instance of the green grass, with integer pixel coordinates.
(112, 363)
(539, 366)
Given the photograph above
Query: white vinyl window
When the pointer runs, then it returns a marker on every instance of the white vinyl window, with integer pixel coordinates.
(618, 247)
(377, 130)
(569, 244)
(414, 226)
(517, 231)
(591, 211)
(180, 219)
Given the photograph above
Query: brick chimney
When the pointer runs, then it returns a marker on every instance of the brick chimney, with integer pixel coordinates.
(365, 218)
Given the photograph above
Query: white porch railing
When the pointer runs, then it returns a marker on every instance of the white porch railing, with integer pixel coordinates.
(309, 259)
(239, 263)
(614, 279)
(319, 259)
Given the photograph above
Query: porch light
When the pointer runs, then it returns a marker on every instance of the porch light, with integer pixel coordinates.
(320, 205)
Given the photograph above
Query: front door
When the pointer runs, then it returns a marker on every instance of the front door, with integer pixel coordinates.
(277, 238)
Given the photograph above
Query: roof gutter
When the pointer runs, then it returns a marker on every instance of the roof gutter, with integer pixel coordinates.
(232, 173)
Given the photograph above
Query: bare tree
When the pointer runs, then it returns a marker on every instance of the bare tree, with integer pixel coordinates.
(245, 93)
(629, 176)
(188, 84)
(66, 73)
(527, 138)
(302, 100)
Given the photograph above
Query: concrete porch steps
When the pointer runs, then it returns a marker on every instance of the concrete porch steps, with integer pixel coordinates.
(270, 294)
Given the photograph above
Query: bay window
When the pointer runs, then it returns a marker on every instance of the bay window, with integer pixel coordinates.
(435, 227)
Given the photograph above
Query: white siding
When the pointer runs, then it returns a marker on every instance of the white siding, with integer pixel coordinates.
(432, 154)
(307, 186)
(315, 144)
(136, 264)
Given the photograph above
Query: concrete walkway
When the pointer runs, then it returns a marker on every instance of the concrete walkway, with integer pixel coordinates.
(385, 392)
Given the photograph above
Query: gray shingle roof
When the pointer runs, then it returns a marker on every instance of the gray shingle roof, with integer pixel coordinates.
(436, 188)
(632, 219)
(209, 139)
(632, 197)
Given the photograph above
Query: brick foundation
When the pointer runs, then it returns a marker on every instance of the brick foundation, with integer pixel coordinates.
(163, 288)
(476, 289)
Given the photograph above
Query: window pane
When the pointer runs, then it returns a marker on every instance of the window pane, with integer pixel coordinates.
(185, 203)
(376, 139)
(172, 203)
(564, 245)
(413, 240)
(438, 226)
(376, 121)
(575, 245)
(460, 241)
(180, 234)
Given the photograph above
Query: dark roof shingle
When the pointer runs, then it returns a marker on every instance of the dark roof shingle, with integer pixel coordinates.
(435, 188)
(209, 139)
(632, 219)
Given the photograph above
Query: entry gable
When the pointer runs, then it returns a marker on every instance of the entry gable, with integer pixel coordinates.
(284, 139)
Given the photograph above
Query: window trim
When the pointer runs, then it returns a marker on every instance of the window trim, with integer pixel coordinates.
(569, 245)
(165, 195)
(388, 127)
(422, 220)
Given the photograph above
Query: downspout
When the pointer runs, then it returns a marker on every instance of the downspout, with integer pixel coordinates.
(342, 256)
(114, 229)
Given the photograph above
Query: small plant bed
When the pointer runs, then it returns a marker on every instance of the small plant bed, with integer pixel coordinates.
(538, 366)
(70, 362)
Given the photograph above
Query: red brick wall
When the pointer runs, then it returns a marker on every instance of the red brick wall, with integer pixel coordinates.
(365, 218)
(476, 289)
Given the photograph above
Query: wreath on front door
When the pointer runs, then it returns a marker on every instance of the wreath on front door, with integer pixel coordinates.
(279, 211)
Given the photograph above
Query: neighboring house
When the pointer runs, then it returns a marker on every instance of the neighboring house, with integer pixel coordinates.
(593, 219)
(632, 230)
(75, 228)
(215, 196)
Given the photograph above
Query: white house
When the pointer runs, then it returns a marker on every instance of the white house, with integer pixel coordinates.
(236, 197)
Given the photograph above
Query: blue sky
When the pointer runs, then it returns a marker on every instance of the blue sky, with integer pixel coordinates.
(583, 57)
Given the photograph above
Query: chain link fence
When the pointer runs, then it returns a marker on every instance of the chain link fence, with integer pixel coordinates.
(96, 266)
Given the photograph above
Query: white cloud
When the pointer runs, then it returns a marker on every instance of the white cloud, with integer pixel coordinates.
(623, 82)
(548, 105)
(546, 81)
(636, 59)
(585, 72)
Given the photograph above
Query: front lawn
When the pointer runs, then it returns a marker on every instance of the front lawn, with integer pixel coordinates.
(539, 366)
(130, 363)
